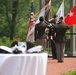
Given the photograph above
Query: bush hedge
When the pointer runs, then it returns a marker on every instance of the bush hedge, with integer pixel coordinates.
(72, 72)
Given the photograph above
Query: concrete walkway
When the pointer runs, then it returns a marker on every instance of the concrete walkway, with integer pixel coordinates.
(55, 68)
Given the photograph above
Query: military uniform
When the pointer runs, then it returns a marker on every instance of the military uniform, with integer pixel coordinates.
(51, 34)
(40, 35)
(60, 30)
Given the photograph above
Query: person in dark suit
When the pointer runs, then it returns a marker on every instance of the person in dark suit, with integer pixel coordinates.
(51, 35)
(60, 30)
(40, 36)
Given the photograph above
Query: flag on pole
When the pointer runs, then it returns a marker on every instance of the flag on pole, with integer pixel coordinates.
(32, 23)
(47, 10)
(30, 32)
(60, 11)
(70, 18)
(44, 11)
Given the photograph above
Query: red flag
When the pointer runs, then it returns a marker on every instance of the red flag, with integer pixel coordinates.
(70, 19)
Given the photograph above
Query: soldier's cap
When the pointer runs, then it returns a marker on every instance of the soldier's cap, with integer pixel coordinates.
(55, 16)
(61, 18)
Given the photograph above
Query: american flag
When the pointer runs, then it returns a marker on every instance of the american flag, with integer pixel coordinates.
(30, 32)
(31, 19)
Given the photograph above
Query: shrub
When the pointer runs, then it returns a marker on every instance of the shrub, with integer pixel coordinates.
(5, 41)
(72, 72)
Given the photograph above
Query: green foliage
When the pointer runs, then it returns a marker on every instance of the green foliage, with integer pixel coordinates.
(72, 72)
(66, 7)
(5, 41)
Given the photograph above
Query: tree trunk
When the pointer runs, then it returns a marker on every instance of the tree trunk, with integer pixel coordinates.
(12, 19)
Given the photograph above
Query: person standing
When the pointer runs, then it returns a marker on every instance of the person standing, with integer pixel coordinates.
(51, 35)
(40, 35)
(60, 41)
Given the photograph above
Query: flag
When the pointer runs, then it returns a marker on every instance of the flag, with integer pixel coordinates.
(47, 10)
(70, 18)
(31, 26)
(60, 11)
(44, 11)
(30, 32)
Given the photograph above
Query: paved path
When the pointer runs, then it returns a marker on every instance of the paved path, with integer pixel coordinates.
(55, 68)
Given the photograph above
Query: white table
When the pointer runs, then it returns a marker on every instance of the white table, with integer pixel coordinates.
(23, 64)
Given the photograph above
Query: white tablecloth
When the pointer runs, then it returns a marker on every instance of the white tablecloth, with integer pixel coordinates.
(23, 64)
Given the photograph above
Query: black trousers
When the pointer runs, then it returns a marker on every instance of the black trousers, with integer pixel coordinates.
(54, 55)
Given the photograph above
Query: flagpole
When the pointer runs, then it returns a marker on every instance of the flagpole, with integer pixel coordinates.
(50, 10)
(72, 40)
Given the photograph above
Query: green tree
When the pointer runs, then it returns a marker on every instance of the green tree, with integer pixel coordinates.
(14, 15)
(9, 14)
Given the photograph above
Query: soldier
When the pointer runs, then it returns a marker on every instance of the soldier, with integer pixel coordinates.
(51, 35)
(40, 36)
(60, 30)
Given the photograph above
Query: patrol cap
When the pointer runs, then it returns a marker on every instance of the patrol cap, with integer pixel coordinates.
(55, 16)
(61, 18)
